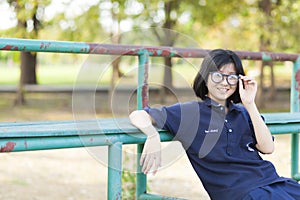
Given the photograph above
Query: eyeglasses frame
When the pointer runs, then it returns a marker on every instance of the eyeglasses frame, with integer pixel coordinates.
(224, 75)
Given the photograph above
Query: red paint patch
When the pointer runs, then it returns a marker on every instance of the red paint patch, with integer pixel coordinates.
(9, 146)
(9, 47)
(297, 77)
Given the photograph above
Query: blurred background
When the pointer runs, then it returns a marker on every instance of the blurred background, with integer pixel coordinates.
(48, 78)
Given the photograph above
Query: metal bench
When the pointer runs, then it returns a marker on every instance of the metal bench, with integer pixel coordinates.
(115, 133)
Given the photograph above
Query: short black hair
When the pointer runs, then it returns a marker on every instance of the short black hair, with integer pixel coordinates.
(213, 61)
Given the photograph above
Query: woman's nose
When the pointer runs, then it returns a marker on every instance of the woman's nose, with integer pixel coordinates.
(224, 81)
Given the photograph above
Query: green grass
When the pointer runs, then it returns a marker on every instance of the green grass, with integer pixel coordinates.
(52, 75)
(66, 74)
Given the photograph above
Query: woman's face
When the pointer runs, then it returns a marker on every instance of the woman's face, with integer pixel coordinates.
(219, 92)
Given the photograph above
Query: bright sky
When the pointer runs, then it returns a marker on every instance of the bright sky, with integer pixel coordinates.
(76, 7)
(73, 8)
(6, 16)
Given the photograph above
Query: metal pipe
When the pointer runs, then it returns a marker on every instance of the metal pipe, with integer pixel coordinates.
(142, 101)
(295, 107)
(114, 182)
(15, 44)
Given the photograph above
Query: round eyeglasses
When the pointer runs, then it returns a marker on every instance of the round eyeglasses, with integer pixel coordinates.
(218, 77)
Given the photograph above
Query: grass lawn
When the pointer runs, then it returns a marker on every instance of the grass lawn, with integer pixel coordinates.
(183, 74)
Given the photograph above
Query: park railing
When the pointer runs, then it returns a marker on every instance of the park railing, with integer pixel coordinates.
(115, 133)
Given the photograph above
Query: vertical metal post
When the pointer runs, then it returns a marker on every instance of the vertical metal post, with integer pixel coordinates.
(142, 101)
(295, 99)
(114, 182)
(142, 90)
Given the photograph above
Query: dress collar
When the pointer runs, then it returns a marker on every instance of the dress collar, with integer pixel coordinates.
(231, 106)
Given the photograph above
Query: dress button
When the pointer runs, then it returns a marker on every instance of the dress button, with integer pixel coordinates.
(230, 130)
(226, 120)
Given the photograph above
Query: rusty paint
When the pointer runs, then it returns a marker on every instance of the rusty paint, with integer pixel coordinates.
(25, 144)
(118, 196)
(297, 78)
(45, 45)
(10, 47)
(145, 85)
(9, 146)
(131, 50)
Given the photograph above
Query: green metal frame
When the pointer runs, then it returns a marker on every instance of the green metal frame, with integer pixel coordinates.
(295, 107)
(64, 134)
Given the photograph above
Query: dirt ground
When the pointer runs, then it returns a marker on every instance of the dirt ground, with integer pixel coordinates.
(73, 174)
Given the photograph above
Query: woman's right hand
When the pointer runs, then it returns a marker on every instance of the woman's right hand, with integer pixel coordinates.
(151, 155)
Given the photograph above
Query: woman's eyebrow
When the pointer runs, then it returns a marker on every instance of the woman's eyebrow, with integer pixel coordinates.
(228, 72)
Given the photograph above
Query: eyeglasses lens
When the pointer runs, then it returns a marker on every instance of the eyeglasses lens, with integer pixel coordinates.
(232, 79)
(218, 77)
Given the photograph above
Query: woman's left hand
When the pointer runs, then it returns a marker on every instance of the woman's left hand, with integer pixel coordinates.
(247, 89)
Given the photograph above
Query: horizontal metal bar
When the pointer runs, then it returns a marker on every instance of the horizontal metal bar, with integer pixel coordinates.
(147, 196)
(284, 128)
(296, 177)
(44, 143)
(16, 44)
(113, 126)
(14, 144)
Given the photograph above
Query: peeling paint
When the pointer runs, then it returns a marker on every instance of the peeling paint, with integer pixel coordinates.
(10, 47)
(45, 45)
(9, 146)
(25, 144)
(297, 78)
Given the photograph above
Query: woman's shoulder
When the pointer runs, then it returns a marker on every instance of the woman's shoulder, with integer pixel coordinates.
(189, 104)
(239, 107)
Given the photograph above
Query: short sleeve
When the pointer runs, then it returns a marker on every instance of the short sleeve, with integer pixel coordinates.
(167, 117)
(178, 118)
(159, 115)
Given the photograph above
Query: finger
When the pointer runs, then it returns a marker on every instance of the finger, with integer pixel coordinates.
(241, 85)
(147, 164)
(142, 159)
(251, 81)
(157, 165)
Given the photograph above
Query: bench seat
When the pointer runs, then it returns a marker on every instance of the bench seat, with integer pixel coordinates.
(24, 136)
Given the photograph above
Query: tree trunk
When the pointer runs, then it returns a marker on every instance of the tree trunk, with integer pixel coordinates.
(265, 43)
(168, 78)
(27, 76)
(272, 92)
(260, 92)
(28, 59)
(116, 73)
(28, 68)
(168, 38)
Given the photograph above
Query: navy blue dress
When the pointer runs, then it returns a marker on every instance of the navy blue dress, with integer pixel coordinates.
(220, 147)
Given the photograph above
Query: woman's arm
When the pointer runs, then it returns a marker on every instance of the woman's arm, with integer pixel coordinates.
(151, 155)
(263, 136)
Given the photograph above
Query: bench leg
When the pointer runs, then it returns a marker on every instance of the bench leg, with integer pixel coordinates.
(295, 155)
(141, 178)
(114, 186)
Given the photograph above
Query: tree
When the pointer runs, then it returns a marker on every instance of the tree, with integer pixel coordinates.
(29, 16)
(200, 15)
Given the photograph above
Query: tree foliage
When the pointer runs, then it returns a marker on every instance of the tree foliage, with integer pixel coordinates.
(237, 25)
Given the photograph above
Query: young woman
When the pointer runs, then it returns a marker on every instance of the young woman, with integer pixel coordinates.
(222, 138)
